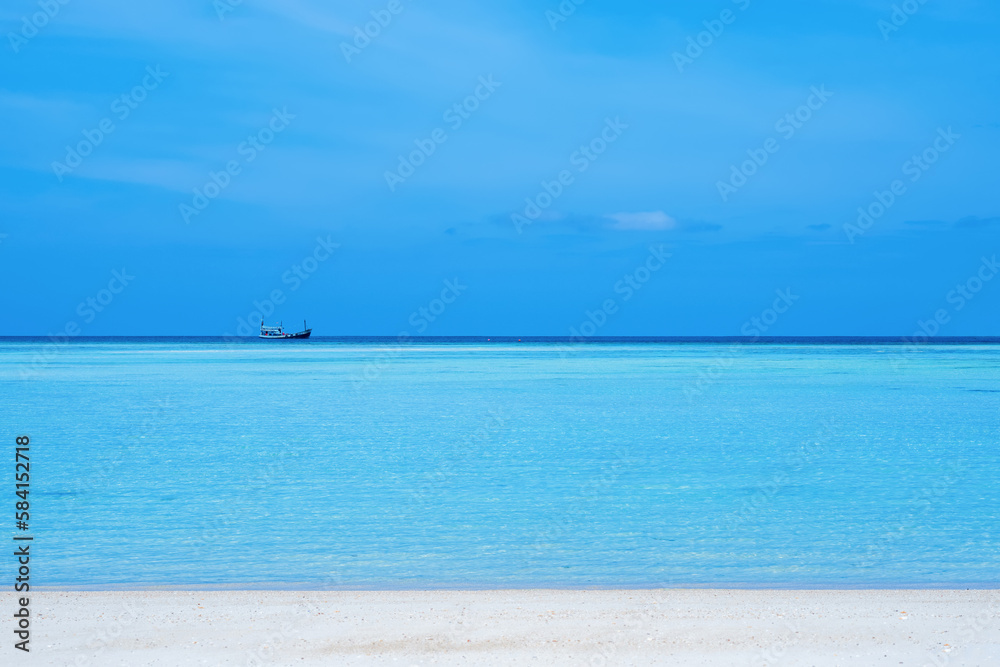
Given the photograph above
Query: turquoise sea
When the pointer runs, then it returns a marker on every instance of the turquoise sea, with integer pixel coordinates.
(475, 463)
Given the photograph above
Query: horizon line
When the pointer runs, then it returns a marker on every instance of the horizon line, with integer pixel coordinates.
(404, 337)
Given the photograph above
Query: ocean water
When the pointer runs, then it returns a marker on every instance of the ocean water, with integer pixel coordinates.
(331, 464)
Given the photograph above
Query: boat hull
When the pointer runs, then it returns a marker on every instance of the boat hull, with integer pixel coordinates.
(286, 336)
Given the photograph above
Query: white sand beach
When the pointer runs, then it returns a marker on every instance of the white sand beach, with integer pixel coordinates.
(534, 627)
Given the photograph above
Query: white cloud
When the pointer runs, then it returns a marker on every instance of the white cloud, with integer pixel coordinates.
(652, 220)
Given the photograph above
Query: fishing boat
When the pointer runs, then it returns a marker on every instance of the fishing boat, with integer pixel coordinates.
(279, 333)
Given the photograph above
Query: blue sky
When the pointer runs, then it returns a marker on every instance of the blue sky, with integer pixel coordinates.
(201, 90)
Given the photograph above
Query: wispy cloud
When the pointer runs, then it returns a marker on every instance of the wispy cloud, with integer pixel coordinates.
(968, 222)
(168, 174)
(36, 104)
(648, 221)
(975, 221)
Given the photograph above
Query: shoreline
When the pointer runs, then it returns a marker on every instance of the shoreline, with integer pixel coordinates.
(310, 587)
(524, 626)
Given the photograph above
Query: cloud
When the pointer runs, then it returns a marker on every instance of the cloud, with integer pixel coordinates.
(169, 174)
(968, 222)
(35, 105)
(820, 227)
(653, 220)
(973, 221)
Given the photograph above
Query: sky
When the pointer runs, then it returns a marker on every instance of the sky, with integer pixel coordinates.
(730, 167)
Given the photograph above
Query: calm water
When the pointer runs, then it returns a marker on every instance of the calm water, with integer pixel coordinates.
(326, 465)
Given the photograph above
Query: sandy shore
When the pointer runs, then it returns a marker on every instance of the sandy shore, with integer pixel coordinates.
(540, 627)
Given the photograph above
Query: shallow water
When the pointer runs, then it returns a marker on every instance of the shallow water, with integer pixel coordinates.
(327, 465)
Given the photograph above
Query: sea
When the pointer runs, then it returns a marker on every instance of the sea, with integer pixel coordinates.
(498, 462)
